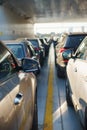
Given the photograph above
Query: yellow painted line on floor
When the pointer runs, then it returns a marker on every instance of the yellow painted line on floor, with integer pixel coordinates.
(48, 120)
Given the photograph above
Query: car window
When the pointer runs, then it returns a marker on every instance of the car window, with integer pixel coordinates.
(82, 50)
(17, 50)
(7, 64)
(73, 41)
(35, 43)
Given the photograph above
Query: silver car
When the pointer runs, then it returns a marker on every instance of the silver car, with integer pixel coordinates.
(18, 92)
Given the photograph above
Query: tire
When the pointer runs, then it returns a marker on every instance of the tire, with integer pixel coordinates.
(38, 72)
(35, 117)
(86, 118)
(60, 72)
(68, 98)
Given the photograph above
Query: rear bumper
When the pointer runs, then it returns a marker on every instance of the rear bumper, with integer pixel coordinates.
(61, 70)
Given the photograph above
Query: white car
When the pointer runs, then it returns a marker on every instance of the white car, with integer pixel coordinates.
(76, 82)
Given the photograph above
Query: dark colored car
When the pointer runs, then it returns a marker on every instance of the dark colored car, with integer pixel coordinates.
(18, 92)
(76, 81)
(45, 45)
(39, 49)
(71, 41)
(22, 48)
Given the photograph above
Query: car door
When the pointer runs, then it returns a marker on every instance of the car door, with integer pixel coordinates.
(81, 86)
(16, 94)
(22, 89)
(8, 118)
(25, 107)
(72, 75)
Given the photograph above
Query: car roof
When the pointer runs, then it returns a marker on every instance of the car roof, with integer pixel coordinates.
(78, 33)
(32, 38)
(13, 41)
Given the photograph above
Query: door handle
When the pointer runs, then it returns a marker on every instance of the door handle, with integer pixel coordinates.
(18, 99)
(75, 69)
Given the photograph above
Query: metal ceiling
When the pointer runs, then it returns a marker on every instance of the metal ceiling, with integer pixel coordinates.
(44, 11)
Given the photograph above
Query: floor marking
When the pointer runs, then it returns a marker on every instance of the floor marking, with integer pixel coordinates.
(48, 120)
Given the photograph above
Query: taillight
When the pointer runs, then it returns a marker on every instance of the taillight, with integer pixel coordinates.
(65, 61)
(13, 65)
(37, 49)
(61, 50)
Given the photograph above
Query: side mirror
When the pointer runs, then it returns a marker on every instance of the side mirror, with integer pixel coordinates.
(67, 54)
(29, 65)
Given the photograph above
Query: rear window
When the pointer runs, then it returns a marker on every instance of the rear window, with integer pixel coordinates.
(17, 50)
(34, 42)
(73, 41)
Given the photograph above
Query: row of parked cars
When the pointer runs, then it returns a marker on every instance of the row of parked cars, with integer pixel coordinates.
(71, 62)
(20, 61)
(30, 48)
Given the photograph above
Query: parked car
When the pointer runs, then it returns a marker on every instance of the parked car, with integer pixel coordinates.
(21, 48)
(45, 45)
(59, 45)
(18, 92)
(71, 41)
(39, 49)
(76, 81)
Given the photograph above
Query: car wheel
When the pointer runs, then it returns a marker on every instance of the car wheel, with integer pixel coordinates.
(37, 72)
(60, 73)
(35, 117)
(68, 98)
(86, 118)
